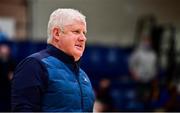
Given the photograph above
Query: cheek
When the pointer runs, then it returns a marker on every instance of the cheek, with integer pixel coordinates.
(65, 44)
(70, 44)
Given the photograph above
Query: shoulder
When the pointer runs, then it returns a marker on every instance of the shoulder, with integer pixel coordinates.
(29, 63)
(33, 61)
(29, 72)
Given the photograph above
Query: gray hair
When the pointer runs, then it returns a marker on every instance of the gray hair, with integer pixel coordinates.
(62, 17)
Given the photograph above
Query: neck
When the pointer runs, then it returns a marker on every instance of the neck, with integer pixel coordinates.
(56, 45)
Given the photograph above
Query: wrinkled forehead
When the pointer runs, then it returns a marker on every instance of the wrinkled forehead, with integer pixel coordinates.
(77, 25)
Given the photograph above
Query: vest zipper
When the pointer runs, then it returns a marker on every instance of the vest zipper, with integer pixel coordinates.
(77, 77)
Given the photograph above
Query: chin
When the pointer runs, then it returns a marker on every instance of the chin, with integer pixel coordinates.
(78, 52)
(78, 55)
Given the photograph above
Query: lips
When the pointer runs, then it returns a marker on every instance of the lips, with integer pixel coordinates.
(79, 46)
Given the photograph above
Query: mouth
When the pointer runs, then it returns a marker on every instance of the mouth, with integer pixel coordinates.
(79, 46)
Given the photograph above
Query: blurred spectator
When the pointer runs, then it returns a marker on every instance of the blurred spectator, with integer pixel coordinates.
(163, 98)
(172, 104)
(143, 67)
(6, 71)
(103, 95)
(143, 61)
(156, 101)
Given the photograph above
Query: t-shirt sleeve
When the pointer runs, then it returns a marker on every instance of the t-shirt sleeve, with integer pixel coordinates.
(28, 84)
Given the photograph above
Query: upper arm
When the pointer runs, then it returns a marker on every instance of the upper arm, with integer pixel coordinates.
(28, 85)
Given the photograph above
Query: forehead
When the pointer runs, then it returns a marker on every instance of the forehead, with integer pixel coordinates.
(76, 25)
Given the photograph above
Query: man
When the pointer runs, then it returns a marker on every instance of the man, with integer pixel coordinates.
(7, 66)
(51, 80)
(143, 68)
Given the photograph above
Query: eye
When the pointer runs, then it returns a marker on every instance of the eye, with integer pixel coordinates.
(76, 32)
(84, 33)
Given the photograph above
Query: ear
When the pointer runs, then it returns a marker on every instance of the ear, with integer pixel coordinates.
(56, 33)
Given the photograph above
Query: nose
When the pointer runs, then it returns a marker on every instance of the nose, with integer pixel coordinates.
(82, 37)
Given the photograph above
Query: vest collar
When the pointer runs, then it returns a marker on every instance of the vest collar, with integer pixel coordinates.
(52, 50)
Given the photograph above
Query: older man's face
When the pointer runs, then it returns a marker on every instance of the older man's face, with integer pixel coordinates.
(72, 40)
